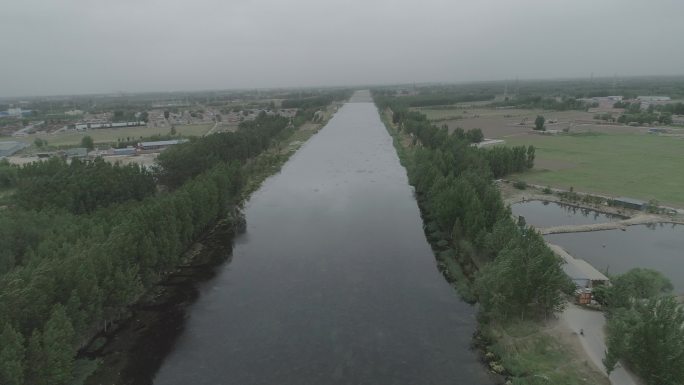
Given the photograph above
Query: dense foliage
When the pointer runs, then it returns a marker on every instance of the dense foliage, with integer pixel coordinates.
(80, 187)
(82, 241)
(187, 160)
(435, 97)
(314, 100)
(645, 326)
(672, 108)
(8, 174)
(454, 183)
(309, 102)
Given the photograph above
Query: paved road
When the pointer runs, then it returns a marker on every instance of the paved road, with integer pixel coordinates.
(593, 341)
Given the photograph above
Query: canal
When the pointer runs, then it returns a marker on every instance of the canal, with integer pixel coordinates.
(333, 282)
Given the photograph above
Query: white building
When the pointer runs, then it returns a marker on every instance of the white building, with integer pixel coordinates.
(651, 99)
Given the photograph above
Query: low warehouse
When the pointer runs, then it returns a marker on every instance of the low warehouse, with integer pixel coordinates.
(159, 145)
(629, 203)
(10, 148)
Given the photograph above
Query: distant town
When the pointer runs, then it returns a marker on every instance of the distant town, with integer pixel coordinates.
(123, 126)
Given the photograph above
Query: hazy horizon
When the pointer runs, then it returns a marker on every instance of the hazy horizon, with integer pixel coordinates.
(98, 47)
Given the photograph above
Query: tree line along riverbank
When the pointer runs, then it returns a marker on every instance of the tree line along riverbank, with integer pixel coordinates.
(82, 242)
(491, 259)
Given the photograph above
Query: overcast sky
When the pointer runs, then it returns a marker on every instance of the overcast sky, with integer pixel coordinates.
(100, 46)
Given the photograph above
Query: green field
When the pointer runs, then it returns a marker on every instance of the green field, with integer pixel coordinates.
(634, 165)
(111, 135)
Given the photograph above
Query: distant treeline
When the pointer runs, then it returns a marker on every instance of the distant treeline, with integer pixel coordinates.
(672, 108)
(464, 213)
(437, 98)
(652, 114)
(82, 241)
(308, 102)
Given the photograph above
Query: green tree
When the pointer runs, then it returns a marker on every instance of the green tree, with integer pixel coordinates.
(636, 284)
(87, 142)
(11, 356)
(58, 339)
(475, 135)
(166, 114)
(539, 123)
(649, 337)
(39, 142)
(524, 281)
(35, 371)
(530, 157)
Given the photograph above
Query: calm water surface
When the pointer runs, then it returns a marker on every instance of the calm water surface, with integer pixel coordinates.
(333, 282)
(546, 214)
(659, 247)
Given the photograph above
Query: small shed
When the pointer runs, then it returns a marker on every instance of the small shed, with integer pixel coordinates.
(629, 203)
(77, 152)
(159, 145)
(123, 151)
(10, 148)
(584, 275)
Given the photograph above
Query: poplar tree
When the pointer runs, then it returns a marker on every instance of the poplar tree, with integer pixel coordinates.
(11, 356)
(57, 346)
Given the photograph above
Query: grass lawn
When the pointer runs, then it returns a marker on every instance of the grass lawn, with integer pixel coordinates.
(539, 354)
(110, 135)
(634, 165)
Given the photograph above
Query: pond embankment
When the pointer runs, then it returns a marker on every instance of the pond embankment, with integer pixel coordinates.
(617, 217)
(638, 219)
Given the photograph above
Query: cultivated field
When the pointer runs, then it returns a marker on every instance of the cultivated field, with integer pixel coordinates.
(636, 165)
(111, 135)
(504, 123)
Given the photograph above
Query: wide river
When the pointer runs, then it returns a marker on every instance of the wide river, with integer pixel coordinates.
(333, 281)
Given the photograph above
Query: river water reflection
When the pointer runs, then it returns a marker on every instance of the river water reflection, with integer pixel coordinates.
(333, 281)
(547, 214)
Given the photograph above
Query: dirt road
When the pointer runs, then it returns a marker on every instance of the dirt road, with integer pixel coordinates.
(592, 323)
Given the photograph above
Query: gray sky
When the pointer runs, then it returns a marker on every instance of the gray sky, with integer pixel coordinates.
(95, 46)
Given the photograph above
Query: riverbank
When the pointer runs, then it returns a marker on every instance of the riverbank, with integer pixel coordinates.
(134, 348)
(516, 349)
